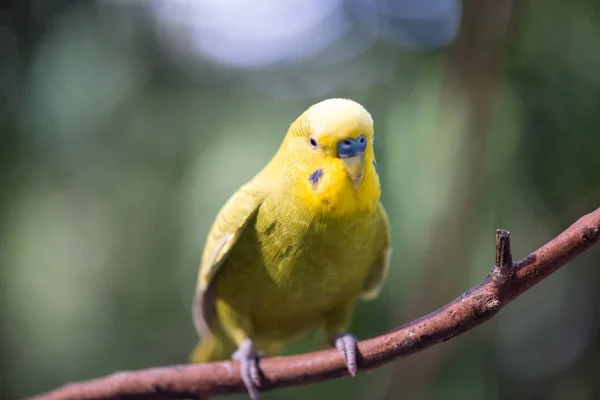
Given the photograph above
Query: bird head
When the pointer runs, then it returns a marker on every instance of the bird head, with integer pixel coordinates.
(330, 146)
(336, 132)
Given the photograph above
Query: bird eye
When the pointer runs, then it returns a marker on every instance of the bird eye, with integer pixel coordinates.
(312, 141)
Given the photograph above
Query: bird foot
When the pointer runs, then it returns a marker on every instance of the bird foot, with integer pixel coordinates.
(249, 370)
(346, 344)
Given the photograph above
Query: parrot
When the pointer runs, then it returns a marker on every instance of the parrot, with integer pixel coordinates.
(295, 248)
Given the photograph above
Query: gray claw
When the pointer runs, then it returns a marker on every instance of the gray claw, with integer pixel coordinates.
(249, 371)
(346, 344)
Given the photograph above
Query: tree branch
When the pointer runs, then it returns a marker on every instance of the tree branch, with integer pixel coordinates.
(506, 281)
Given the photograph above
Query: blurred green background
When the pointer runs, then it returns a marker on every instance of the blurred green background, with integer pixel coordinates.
(125, 125)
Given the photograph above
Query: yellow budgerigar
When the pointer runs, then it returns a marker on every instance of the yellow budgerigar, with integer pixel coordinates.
(293, 249)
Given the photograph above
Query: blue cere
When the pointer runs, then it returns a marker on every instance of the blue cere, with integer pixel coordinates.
(351, 147)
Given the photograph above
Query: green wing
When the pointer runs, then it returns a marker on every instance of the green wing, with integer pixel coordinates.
(380, 268)
(231, 221)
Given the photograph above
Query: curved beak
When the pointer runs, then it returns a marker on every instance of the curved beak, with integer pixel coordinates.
(355, 168)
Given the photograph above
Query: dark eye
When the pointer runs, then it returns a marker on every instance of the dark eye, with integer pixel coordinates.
(312, 141)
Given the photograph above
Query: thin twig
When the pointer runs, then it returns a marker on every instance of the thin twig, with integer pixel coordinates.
(506, 281)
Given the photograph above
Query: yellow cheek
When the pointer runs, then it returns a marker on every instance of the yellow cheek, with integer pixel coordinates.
(334, 193)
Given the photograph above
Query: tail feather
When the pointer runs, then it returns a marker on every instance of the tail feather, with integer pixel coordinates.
(212, 348)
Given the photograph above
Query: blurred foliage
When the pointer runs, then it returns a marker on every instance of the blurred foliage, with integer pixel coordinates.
(125, 125)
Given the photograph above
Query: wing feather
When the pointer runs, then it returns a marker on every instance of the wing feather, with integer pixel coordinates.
(379, 270)
(230, 222)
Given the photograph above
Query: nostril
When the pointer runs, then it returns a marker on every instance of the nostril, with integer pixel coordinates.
(347, 147)
(362, 143)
